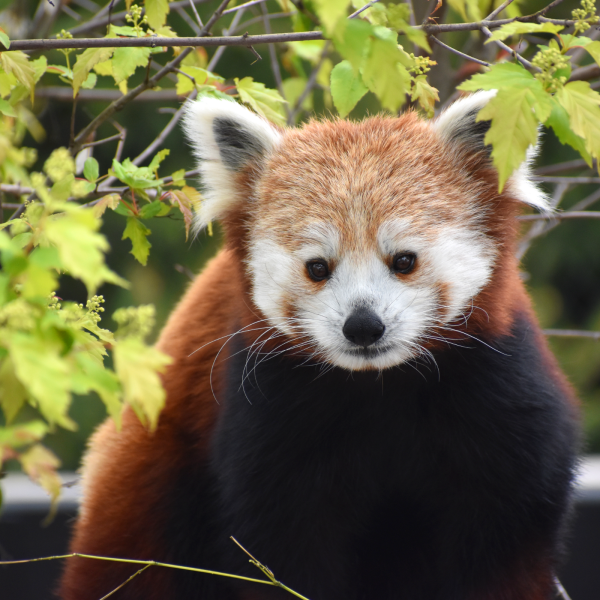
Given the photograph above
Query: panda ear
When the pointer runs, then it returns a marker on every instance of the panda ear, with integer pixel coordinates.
(226, 138)
(458, 127)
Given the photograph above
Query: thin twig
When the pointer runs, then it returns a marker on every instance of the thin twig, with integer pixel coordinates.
(595, 335)
(193, 6)
(274, 62)
(310, 83)
(458, 52)
(508, 49)
(362, 9)
(568, 165)
(118, 104)
(219, 52)
(496, 12)
(117, 136)
(65, 94)
(125, 582)
(243, 6)
(149, 563)
(573, 180)
(569, 214)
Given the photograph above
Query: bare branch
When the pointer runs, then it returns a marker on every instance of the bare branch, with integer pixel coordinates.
(594, 335)
(514, 53)
(150, 83)
(310, 84)
(496, 12)
(569, 165)
(458, 52)
(243, 6)
(166, 42)
(569, 214)
(362, 9)
(198, 19)
(585, 73)
(117, 136)
(65, 94)
(573, 180)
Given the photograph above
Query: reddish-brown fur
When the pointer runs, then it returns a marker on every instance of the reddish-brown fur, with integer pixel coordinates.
(127, 467)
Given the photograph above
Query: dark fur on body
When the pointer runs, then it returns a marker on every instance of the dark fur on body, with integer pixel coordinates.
(417, 481)
(352, 486)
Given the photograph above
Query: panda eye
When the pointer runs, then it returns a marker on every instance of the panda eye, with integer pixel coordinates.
(404, 262)
(317, 269)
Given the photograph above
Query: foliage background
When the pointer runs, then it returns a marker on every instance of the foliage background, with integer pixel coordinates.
(562, 267)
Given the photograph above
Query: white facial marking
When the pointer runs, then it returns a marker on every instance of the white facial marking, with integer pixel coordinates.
(458, 259)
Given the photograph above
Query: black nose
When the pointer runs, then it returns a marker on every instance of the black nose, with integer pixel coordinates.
(363, 327)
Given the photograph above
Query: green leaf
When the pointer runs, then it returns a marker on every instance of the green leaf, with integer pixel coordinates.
(264, 101)
(4, 40)
(91, 169)
(22, 434)
(515, 115)
(501, 75)
(157, 11)
(151, 210)
(384, 74)
(517, 28)
(594, 50)
(7, 109)
(560, 123)
(93, 376)
(426, 94)
(50, 386)
(17, 63)
(80, 247)
(330, 12)
(201, 77)
(85, 62)
(138, 178)
(352, 40)
(126, 60)
(347, 87)
(582, 104)
(138, 233)
(12, 392)
(41, 465)
(137, 367)
(158, 158)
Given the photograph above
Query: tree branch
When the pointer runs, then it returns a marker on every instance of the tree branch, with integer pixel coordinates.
(569, 214)
(595, 335)
(150, 83)
(458, 52)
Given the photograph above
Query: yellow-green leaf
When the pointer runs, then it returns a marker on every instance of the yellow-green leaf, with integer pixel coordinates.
(384, 74)
(263, 100)
(85, 62)
(425, 93)
(41, 465)
(330, 12)
(138, 233)
(22, 434)
(108, 201)
(500, 76)
(347, 87)
(594, 50)
(17, 63)
(517, 28)
(137, 367)
(126, 60)
(560, 123)
(157, 11)
(12, 392)
(582, 104)
(515, 114)
(50, 386)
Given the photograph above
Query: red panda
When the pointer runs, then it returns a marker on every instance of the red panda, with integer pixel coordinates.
(360, 393)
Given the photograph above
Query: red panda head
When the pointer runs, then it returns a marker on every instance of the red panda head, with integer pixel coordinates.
(366, 244)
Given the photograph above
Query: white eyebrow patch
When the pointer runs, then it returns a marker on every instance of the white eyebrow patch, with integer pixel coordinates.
(319, 240)
(398, 235)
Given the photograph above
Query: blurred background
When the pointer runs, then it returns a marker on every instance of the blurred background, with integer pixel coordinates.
(561, 268)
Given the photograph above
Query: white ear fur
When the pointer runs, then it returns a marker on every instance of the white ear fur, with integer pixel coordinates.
(457, 125)
(224, 136)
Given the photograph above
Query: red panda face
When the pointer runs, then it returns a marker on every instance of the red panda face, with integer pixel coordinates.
(365, 242)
